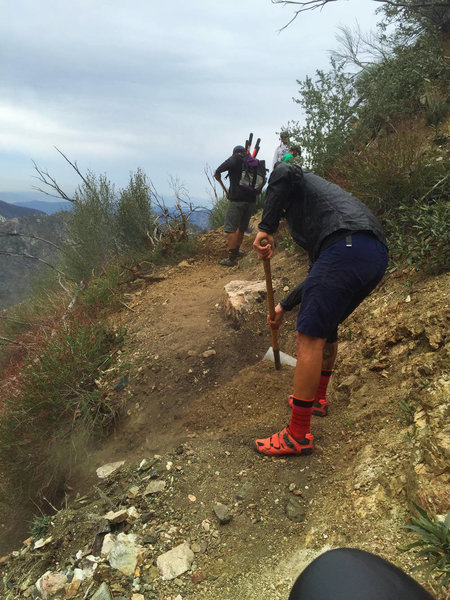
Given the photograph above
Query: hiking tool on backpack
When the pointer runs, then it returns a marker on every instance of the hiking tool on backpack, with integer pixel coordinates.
(273, 353)
(253, 176)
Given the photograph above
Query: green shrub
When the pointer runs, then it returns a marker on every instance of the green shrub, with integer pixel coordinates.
(433, 545)
(420, 235)
(135, 219)
(218, 212)
(55, 400)
(92, 229)
(392, 170)
(39, 526)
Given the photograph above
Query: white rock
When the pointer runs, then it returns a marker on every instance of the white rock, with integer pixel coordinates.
(50, 583)
(105, 470)
(124, 554)
(175, 562)
(118, 516)
(242, 296)
(154, 487)
(102, 593)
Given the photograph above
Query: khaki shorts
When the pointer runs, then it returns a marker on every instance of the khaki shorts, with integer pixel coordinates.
(238, 216)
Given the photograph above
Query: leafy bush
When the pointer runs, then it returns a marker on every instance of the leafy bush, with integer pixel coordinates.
(397, 86)
(420, 235)
(329, 105)
(135, 219)
(39, 526)
(92, 228)
(55, 399)
(218, 212)
(220, 207)
(396, 168)
(433, 544)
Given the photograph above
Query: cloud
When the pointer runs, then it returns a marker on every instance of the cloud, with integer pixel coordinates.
(168, 87)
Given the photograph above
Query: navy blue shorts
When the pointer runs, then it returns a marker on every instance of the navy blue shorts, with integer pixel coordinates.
(338, 282)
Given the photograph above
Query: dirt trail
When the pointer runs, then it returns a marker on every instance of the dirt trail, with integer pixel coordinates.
(199, 394)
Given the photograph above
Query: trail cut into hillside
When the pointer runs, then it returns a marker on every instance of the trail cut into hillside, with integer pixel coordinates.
(196, 396)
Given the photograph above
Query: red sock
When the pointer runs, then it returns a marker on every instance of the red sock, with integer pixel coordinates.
(301, 417)
(323, 384)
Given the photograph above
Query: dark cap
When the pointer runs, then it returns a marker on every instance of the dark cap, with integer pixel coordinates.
(238, 149)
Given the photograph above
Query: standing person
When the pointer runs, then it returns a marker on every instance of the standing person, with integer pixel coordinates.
(281, 149)
(240, 208)
(348, 254)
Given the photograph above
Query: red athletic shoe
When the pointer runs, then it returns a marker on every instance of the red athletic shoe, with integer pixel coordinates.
(283, 443)
(320, 408)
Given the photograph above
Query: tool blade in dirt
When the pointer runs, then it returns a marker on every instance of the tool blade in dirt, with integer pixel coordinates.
(256, 150)
(285, 359)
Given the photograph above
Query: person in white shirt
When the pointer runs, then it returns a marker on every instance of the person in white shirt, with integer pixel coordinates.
(282, 148)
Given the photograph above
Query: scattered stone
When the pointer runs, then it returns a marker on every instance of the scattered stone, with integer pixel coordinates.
(124, 553)
(73, 587)
(102, 593)
(155, 487)
(133, 492)
(42, 542)
(198, 576)
(105, 470)
(175, 562)
(147, 516)
(50, 584)
(195, 547)
(89, 564)
(244, 491)
(223, 513)
(209, 353)
(133, 513)
(294, 510)
(117, 517)
(122, 383)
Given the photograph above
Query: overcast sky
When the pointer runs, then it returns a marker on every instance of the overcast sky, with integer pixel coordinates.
(169, 87)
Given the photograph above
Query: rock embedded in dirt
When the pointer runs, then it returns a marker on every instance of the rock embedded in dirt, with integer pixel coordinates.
(295, 511)
(175, 562)
(108, 469)
(155, 487)
(102, 593)
(50, 584)
(223, 513)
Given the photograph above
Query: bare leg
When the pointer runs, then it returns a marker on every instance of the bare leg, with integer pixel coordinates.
(309, 365)
(329, 355)
(235, 239)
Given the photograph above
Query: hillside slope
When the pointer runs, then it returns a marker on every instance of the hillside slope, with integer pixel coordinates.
(198, 394)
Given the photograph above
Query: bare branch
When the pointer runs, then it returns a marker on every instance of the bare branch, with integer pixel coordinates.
(76, 169)
(46, 179)
(80, 288)
(34, 237)
(26, 255)
(309, 5)
(211, 180)
(8, 341)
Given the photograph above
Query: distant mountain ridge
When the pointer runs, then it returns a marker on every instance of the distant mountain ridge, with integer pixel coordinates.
(12, 211)
(12, 207)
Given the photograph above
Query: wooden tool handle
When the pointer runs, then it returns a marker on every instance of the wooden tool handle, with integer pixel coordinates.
(271, 304)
